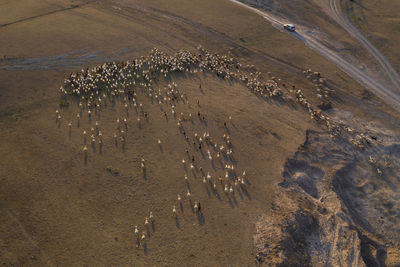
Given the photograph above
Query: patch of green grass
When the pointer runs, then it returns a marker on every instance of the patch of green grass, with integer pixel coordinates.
(64, 103)
(16, 116)
(309, 8)
(112, 170)
(397, 27)
(366, 95)
(351, 14)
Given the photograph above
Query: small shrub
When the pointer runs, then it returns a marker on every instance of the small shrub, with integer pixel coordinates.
(64, 103)
(112, 170)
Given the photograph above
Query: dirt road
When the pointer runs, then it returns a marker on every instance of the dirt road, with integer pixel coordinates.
(388, 92)
(339, 16)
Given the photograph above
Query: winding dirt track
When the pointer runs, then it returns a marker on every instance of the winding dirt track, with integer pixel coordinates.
(390, 93)
(340, 18)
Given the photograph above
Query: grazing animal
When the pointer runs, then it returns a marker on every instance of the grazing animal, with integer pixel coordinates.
(136, 230)
(174, 210)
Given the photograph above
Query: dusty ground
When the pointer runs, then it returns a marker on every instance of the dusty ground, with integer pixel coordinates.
(324, 27)
(377, 22)
(57, 210)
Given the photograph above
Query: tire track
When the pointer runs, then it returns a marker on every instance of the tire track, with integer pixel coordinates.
(339, 16)
(29, 238)
(37, 16)
(305, 35)
(43, 15)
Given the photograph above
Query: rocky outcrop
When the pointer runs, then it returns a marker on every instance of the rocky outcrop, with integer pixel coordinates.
(337, 206)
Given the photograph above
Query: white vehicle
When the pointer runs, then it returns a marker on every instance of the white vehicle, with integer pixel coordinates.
(289, 27)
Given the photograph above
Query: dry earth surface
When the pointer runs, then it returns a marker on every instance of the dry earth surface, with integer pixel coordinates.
(376, 20)
(310, 198)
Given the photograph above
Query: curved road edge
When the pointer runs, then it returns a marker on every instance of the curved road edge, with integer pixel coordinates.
(389, 96)
(341, 18)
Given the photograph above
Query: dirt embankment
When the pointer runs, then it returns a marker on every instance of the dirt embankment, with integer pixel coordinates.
(337, 205)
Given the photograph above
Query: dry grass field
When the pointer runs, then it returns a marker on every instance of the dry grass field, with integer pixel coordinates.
(379, 23)
(61, 208)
